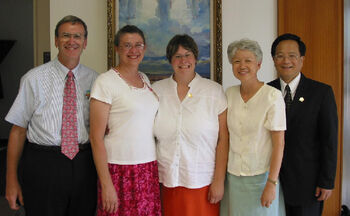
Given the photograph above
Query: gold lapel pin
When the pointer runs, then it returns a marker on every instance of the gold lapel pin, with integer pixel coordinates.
(189, 95)
(301, 99)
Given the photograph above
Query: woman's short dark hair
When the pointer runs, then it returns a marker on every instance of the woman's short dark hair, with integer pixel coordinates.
(71, 19)
(128, 29)
(288, 36)
(185, 41)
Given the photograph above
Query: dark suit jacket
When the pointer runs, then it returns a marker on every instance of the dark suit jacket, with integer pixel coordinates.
(311, 139)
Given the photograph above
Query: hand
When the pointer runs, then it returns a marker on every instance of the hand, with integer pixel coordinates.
(14, 192)
(216, 192)
(323, 194)
(109, 199)
(268, 195)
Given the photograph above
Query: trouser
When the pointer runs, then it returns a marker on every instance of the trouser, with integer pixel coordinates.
(54, 185)
(314, 209)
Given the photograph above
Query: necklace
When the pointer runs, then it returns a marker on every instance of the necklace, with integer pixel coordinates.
(145, 84)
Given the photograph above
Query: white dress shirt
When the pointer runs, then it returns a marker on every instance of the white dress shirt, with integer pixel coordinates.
(130, 139)
(293, 85)
(187, 132)
(38, 105)
(249, 125)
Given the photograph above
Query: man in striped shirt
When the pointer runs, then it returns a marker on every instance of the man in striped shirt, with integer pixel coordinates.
(53, 183)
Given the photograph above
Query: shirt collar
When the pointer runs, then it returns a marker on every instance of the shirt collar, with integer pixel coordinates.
(64, 70)
(292, 85)
(193, 81)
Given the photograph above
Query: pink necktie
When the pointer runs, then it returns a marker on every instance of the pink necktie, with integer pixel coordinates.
(69, 136)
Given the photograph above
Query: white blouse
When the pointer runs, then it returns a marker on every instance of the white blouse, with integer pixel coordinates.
(131, 118)
(250, 125)
(187, 132)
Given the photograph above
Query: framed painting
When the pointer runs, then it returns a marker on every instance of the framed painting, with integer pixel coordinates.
(160, 20)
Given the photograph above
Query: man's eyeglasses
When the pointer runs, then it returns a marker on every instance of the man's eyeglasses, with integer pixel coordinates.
(290, 57)
(67, 36)
(129, 46)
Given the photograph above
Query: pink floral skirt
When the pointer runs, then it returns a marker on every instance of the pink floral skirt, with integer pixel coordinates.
(137, 189)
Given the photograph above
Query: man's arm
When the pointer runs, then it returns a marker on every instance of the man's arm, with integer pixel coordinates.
(14, 152)
(328, 132)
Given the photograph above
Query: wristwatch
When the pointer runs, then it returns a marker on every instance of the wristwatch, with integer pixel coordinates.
(272, 181)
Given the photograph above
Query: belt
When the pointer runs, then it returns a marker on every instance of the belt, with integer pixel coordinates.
(34, 146)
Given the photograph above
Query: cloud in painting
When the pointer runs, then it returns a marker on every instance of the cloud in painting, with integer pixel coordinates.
(162, 19)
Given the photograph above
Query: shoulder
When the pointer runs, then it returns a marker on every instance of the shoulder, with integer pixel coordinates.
(161, 84)
(88, 73)
(209, 84)
(272, 93)
(39, 72)
(88, 70)
(274, 83)
(232, 90)
(316, 84)
(105, 76)
(270, 89)
(145, 77)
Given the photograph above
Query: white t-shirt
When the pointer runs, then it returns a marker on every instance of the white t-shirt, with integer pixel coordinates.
(131, 119)
(250, 125)
(187, 132)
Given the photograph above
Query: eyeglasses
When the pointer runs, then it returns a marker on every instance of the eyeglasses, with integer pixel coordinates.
(129, 46)
(67, 36)
(290, 57)
(186, 56)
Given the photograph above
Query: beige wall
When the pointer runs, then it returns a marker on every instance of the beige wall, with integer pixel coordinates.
(241, 18)
(41, 29)
(93, 12)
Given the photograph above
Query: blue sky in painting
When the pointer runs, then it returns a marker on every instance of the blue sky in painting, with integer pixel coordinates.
(161, 20)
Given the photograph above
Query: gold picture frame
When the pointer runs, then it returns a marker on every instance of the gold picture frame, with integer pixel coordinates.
(216, 47)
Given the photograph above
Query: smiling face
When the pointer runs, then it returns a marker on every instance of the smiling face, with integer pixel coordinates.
(287, 59)
(131, 49)
(70, 43)
(183, 62)
(245, 66)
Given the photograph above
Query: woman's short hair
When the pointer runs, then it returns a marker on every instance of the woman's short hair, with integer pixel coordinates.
(244, 44)
(128, 29)
(185, 41)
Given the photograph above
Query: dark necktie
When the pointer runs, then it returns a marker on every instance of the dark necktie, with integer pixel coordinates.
(288, 97)
(69, 132)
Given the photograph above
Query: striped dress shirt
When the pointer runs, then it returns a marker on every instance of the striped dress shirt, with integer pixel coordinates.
(38, 105)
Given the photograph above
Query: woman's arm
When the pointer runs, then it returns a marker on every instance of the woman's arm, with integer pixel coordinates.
(99, 113)
(216, 190)
(269, 192)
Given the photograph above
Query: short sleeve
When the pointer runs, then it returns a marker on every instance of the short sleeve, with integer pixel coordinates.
(221, 100)
(24, 105)
(276, 115)
(101, 89)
